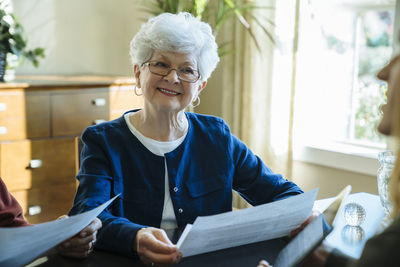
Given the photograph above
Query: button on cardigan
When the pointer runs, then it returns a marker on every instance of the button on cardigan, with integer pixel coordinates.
(202, 172)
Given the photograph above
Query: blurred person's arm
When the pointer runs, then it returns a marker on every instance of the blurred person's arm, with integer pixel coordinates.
(11, 214)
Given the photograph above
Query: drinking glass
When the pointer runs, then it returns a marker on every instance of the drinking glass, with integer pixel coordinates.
(386, 159)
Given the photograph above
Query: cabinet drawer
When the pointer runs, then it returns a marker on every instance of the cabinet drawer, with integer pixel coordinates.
(29, 164)
(122, 100)
(45, 203)
(24, 115)
(74, 112)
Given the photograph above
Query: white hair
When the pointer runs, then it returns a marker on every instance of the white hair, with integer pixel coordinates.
(180, 33)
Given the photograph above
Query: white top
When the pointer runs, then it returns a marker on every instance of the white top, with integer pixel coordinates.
(160, 148)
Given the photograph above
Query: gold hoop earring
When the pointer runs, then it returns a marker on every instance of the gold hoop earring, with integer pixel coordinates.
(136, 93)
(198, 102)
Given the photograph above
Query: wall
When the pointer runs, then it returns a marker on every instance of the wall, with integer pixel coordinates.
(331, 181)
(80, 37)
(211, 102)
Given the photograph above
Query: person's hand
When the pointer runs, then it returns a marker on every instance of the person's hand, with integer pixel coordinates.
(264, 263)
(318, 257)
(81, 245)
(154, 247)
(314, 215)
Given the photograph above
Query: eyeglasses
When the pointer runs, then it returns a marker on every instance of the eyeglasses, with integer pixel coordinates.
(186, 74)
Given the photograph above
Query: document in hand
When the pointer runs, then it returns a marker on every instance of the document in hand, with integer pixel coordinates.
(301, 245)
(21, 245)
(255, 224)
(312, 235)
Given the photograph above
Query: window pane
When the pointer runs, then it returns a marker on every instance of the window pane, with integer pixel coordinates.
(375, 49)
(340, 51)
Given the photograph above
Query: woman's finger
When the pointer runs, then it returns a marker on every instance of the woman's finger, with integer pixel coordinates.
(263, 263)
(313, 215)
(91, 228)
(163, 258)
(162, 236)
(78, 255)
(153, 244)
(78, 241)
(77, 251)
(81, 248)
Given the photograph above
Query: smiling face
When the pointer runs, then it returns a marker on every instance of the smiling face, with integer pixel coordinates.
(390, 74)
(168, 93)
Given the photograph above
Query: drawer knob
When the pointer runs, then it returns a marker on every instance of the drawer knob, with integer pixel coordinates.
(35, 163)
(3, 130)
(99, 102)
(34, 210)
(95, 122)
(3, 106)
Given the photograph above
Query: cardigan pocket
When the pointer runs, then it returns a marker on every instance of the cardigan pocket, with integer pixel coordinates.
(203, 187)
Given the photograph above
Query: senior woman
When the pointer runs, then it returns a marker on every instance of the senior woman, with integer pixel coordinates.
(169, 166)
(382, 249)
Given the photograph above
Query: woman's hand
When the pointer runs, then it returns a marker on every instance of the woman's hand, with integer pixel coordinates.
(154, 247)
(314, 215)
(318, 257)
(264, 263)
(81, 245)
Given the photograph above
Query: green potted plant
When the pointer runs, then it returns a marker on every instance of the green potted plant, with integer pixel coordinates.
(216, 13)
(12, 41)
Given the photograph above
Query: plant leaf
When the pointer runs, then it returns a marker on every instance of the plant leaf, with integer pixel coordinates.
(269, 34)
(12, 37)
(216, 13)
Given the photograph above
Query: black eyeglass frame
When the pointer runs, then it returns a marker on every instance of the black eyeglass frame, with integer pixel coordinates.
(169, 71)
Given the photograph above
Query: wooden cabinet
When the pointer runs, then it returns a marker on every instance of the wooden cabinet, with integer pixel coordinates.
(73, 112)
(24, 114)
(39, 121)
(45, 203)
(38, 162)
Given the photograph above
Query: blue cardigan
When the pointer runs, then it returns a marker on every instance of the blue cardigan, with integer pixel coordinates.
(202, 171)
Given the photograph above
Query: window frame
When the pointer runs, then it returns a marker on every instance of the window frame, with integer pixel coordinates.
(348, 156)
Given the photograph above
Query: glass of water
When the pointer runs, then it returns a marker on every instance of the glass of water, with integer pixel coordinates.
(386, 159)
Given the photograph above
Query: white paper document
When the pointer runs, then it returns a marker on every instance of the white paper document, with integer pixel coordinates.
(300, 246)
(255, 224)
(21, 245)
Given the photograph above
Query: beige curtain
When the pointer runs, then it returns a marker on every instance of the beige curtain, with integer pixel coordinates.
(258, 88)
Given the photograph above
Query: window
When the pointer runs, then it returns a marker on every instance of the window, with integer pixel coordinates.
(342, 45)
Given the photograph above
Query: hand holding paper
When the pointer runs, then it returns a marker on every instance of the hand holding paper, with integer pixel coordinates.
(82, 244)
(153, 246)
(21, 245)
(246, 226)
